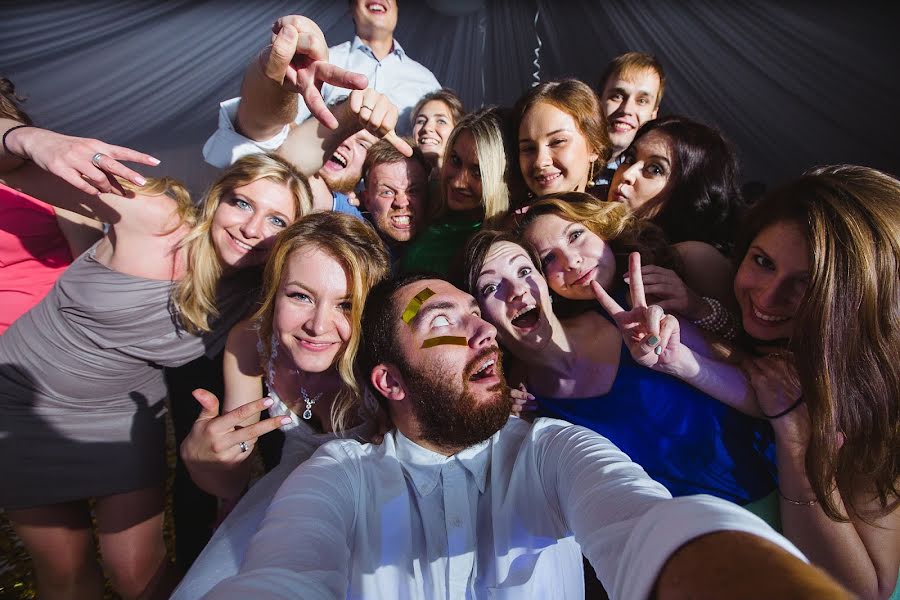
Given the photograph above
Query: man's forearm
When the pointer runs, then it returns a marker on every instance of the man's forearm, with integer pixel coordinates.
(265, 106)
(737, 565)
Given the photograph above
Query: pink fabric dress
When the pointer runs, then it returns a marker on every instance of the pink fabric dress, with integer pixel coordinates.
(33, 253)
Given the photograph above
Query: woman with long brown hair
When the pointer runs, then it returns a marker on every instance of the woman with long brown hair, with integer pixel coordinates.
(819, 297)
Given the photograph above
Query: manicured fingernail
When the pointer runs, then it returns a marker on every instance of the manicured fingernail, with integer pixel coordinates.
(140, 180)
(268, 402)
(154, 160)
(286, 421)
(652, 340)
(657, 350)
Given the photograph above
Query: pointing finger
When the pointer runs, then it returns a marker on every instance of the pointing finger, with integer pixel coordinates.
(399, 143)
(606, 301)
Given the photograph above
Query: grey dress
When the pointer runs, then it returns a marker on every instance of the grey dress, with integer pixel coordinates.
(81, 384)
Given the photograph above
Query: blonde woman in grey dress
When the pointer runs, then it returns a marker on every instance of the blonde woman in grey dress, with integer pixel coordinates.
(81, 383)
(303, 342)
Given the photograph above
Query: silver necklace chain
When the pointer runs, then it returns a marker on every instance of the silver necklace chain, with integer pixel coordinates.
(307, 414)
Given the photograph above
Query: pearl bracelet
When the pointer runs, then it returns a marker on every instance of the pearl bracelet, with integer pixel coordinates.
(719, 320)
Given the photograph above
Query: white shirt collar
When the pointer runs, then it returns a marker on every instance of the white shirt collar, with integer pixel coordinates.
(423, 466)
(357, 44)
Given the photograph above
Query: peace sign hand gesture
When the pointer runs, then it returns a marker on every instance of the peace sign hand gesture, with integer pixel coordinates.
(652, 337)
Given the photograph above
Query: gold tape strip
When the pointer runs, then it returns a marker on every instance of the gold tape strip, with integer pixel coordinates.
(412, 309)
(455, 340)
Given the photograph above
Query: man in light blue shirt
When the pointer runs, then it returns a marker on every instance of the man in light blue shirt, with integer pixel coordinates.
(461, 500)
(260, 120)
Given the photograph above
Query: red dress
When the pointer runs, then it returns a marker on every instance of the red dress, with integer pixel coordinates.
(33, 253)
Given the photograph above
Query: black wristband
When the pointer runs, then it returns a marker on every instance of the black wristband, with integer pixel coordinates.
(785, 411)
(5, 147)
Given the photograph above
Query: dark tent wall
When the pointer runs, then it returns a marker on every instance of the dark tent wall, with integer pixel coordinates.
(791, 85)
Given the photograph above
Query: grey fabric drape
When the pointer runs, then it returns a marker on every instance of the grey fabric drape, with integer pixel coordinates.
(792, 86)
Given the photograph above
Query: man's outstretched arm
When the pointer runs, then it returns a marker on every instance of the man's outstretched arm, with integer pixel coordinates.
(644, 543)
(296, 63)
(739, 565)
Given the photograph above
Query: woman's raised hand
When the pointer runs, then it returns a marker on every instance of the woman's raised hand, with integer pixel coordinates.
(378, 115)
(522, 401)
(297, 60)
(88, 164)
(217, 445)
(652, 336)
(671, 293)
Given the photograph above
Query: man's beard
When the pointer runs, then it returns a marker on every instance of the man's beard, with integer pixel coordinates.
(454, 420)
(342, 184)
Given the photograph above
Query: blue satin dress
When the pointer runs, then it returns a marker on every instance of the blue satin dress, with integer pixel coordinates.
(685, 439)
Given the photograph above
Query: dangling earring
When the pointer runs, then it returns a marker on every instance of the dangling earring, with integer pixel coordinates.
(273, 346)
(590, 182)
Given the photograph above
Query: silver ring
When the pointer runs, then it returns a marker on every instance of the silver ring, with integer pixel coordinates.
(364, 106)
(95, 159)
(243, 446)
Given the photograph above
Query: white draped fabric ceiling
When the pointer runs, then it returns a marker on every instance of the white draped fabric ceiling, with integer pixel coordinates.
(792, 85)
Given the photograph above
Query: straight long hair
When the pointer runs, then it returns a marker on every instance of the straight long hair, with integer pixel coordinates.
(362, 254)
(194, 296)
(486, 126)
(847, 328)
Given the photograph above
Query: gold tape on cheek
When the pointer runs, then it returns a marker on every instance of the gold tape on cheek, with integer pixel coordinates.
(455, 340)
(412, 309)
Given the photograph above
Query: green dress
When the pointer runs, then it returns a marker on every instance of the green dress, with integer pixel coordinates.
(436, 248)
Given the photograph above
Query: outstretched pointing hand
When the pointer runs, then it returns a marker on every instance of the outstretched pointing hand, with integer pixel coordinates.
(297, 60)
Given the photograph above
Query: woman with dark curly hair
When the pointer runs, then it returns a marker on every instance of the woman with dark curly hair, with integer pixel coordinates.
(682, 175)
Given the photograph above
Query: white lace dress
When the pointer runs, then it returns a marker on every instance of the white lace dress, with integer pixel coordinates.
(224, 553)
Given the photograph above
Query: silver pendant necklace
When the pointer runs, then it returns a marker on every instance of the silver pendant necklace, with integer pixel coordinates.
(307, 414)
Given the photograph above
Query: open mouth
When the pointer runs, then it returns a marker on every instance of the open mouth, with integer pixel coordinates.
(242, 245)
(338, 160)
(401, 221)
(486, 370)
(620, 127)
(429, 141)
(772, 319)
(376, 8)
(545, 180)
(527, 318)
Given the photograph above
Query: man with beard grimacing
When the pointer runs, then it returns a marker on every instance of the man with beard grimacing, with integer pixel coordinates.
(463, 501)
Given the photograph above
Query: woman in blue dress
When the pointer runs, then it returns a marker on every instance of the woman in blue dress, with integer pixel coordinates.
(644, 394)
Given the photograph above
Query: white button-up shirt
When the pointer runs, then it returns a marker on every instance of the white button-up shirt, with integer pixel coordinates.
(497, 520)
(400, 78)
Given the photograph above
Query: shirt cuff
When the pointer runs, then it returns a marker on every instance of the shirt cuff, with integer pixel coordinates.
(226, 145)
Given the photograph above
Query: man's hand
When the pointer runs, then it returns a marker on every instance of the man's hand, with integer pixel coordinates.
(297, 61)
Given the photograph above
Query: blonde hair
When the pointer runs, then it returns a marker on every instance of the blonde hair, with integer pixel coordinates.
(613, 223)
(195, 295)
(359, 250)
(486, 126)
(185, 208)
